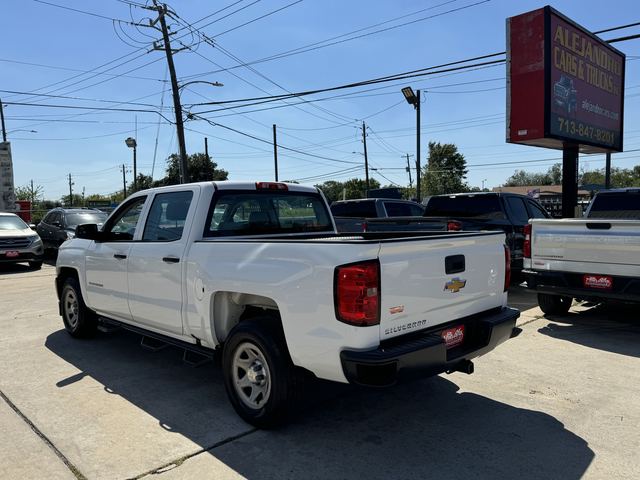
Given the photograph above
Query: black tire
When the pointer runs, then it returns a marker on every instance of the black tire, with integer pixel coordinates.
(258, 342)
(79, 321)
(554, 304)
(36, 265)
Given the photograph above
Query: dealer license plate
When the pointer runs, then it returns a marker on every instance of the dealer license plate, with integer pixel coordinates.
(600, 282)
(453, 336)
(12, 254)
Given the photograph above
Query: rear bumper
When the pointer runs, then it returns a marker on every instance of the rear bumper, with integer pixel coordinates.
(424, 353)
(625, 289)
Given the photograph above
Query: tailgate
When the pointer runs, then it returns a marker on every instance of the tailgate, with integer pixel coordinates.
(418, 293)
(585, 241)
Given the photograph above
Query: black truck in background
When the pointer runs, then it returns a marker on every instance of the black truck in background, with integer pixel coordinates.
(508, 212)
(385, 215)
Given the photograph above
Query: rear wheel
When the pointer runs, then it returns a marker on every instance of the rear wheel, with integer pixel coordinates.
(554, 304)
(36, 265)
(259, 377)
(78, 320)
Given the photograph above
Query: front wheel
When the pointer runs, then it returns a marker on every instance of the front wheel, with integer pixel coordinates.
(259, 377)
(78, 320)
(554, 304)
(36, 265)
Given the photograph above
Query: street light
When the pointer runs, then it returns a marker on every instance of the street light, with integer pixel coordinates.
(22, 130)
(131, 143)
(414, 99)
(214, 84)
(184, 168)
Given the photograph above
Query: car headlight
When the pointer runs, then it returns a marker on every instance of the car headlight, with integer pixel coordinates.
(35, 240)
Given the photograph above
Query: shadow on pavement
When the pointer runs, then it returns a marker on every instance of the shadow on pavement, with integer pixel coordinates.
(610, 327)
(417, 430)
(522, 298)
(15, 268)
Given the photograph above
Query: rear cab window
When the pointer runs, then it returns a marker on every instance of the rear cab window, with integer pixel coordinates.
(364, 209)
(465, 206)
(618, 205)
(401, 209)
(266, 213)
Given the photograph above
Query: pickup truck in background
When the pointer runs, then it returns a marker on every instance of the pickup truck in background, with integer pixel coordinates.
(594, 258)
(505, 212)
(385, 215)
(259, 271)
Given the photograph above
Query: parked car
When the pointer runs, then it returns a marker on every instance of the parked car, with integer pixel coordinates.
(507, 212)
(18, 242)
(384, 215)
(594, 258)
(259, 271)
(59, 224)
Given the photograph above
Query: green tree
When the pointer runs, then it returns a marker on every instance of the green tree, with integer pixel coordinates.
(201, 169)
(353, 188)
(29, 192)
(445, 172)
(521, 178)
(143, 182)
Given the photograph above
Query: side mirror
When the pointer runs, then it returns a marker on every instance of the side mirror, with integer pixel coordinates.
(32, 226)
(56, 224)
(88, 231)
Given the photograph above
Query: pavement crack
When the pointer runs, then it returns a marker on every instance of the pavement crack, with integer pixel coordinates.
(179, 461)
(77, 473)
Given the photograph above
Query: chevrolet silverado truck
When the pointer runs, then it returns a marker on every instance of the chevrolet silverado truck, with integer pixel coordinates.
(595, 258)
(259, 271)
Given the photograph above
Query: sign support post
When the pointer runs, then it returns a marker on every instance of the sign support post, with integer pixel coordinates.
(569, 180)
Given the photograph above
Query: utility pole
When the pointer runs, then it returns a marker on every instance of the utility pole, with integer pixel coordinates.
(124, 181)
(32, 195)
(184, 169)
(275, 150)
(418, 190)
(206, 148)
(409, 170)
(366, 159)
(70, 192)
(607, 172)
(4, 129)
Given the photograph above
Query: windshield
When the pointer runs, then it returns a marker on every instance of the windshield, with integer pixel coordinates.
(465, 206)
(623, 205)
(11, 222)
(74, 219)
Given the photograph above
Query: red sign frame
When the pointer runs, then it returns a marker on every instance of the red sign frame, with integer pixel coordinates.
(565, 86)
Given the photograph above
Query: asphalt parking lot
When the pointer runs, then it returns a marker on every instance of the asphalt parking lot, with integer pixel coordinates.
(559, 401)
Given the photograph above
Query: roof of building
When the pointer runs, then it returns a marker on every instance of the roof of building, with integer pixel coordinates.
(544, 189)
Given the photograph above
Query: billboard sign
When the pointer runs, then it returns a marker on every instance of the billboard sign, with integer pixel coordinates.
(7, 193)
(564, 84)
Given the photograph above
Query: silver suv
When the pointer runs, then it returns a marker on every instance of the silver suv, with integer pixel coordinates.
(18, 243)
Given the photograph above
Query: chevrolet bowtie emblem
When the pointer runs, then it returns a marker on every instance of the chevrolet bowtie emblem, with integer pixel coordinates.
(455, 285)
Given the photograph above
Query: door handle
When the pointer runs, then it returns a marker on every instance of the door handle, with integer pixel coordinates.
(170, 259)
(119, 256)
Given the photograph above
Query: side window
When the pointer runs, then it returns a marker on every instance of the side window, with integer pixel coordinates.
(167, 216)
(536, 211)
(397, 209)
(122, 227)
(517, 210)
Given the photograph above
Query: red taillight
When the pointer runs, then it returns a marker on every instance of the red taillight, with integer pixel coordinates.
(357, 293)
(526, 247)
(507, 268)
(271, 186)
(454, 226)
(364, 226)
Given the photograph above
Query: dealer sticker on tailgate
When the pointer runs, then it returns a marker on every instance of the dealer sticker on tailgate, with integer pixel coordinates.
(601, 282)
(453, 336)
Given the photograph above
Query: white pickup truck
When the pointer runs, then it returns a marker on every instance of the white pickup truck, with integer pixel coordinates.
(595, 258)
(258, 270)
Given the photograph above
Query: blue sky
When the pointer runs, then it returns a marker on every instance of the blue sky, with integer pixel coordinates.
(463, 108)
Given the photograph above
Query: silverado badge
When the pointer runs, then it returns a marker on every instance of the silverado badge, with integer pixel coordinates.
(455, 285)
